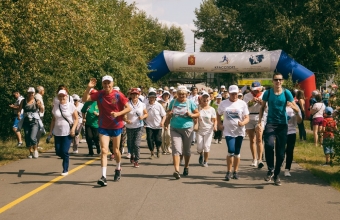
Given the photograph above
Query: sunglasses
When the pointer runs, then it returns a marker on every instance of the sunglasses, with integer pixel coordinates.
(277, 80)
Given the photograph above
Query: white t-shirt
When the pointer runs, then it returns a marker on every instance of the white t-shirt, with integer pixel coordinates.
(39, 97)
(61, 126)
(194, 98)
(233, 112)
(320, 107)
(80, 116)
(292, 120)
(17, 103)
(254, 108)
(133, 115)
(155, 114)
(205, 125)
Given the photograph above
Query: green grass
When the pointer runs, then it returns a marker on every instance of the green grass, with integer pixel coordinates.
(311, 158)
(10, 152)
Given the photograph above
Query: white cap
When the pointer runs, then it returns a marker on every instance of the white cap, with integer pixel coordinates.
(174, 90)
(116, 88)
(31, 89)
(182, 88)
(172, 87)
(219, 96)
(205, 94)
(240, 94)
(233, 89)
(152, 89)
(62, 92)
(166, 92)
(160, 89)
(139, 89)
(222, 87)
(107, 78)
(75, 97)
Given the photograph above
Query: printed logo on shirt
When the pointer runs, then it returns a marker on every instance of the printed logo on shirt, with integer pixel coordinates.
(233, 113)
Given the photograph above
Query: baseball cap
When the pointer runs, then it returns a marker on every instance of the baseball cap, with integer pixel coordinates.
(30, 89)
(134, 91)
(182, 88)
(107, 77)
(166, 92)
(160, 89)
(75, 97)
(256, 86)
(152, 94)
(172, 87)
(240, 94)
(205, 94)
(174, 90)
(329, 110)
(219, 96)
(233, 89)
(315, 92)
(62, 92)
(223, 87)
(151, 89)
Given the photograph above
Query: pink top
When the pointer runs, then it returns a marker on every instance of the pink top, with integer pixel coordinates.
(107, 103)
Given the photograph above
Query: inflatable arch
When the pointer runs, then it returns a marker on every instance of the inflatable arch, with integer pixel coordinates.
(233, 62)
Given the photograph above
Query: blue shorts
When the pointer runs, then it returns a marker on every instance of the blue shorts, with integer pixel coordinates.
(16, 121)
(328, 145)
(110, 132)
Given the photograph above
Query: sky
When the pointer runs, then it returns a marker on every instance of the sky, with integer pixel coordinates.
(174, 12)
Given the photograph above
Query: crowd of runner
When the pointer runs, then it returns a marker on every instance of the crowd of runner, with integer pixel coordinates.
(174, 120)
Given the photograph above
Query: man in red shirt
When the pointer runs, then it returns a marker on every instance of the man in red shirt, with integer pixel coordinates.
(113, 105)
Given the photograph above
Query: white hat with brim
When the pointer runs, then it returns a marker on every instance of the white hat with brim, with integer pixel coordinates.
(62, 92)
(233, 89)
(31, 89)
(109, 78)
(205, 94)
(75, 97)
(166, 92)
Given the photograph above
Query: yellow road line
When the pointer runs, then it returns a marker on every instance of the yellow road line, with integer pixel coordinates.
(26, 196)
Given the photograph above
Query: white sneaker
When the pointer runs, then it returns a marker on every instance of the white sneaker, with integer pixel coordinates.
(254, 163)
(35, 154)
(123, 151)
(75, 151)
(287, 173)
(82, 141)
(128, 156)
(64, 174)
(215, 142)
(220, 142)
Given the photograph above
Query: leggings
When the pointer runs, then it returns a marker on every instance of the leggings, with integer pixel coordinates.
(92, 135)
(134, 136)
(291, 138)
(154, 137)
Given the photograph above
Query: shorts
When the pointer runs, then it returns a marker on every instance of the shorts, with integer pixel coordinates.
(16, 121)
(252, 124)
(328, 145)
(110, 132)
(317, 121)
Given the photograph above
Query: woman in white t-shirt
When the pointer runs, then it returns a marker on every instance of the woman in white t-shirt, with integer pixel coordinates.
(294, 117)
(134, 125)
(165, 101)
(56, 99)
(236, 116)
(317, 111)
(79, 106)
(65, 115)
(154, 124)
(206, 126)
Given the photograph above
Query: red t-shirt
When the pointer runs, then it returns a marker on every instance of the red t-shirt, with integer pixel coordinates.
(107, 103)
(329, 125)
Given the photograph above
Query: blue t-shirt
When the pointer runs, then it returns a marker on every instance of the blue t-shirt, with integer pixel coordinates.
(277, 106)
(179, 118)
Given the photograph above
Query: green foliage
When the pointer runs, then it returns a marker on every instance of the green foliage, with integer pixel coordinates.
(53, 42)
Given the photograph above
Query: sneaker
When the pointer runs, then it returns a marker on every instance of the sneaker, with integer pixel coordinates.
(117, 175)
(176, 175)
(254, 163)
(200, 159)
(186, 171)
(128, 156)
(75, 151)
(260, 164)
(205, 164)
(40, 148)
(132, 160)
(192, 142)
(30, 156)
(277, 181)
(152, 156)
(64, 173)
(216, 141)
(123, 151)
(269, 176)
(19, 144)
(94, 147)
(220, 142)
(227, 176)
(287, 173)
(102, 181)
(135, 164)
(235, 176)
(35, 154)
(82, 141)
(158, 154)
(164, 153)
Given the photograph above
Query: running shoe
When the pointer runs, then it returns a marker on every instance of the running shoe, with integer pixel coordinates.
(235, 176)
(216, 141)
(260, 164)
(176, 175)
(64, 173)
(30, 156)
(117, 175)
(200, 159)
(35, 154)
(192, 142)
(287, 173)
(128, 156)
(135, 164)
(186, 171)
(277, 181)
(220, 142)
(228, 176)
(205, 164)
(158, 154)
(19, 144)
(102, 181)
(75, 152)
(269, 176)
(254, 163)
(152, 157)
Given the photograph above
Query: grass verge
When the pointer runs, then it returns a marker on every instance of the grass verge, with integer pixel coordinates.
(9, 151)
(311, 158)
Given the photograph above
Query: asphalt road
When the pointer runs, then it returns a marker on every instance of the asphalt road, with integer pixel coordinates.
(34, 189)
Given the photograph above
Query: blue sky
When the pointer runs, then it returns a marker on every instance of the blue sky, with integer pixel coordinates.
(173, 12)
